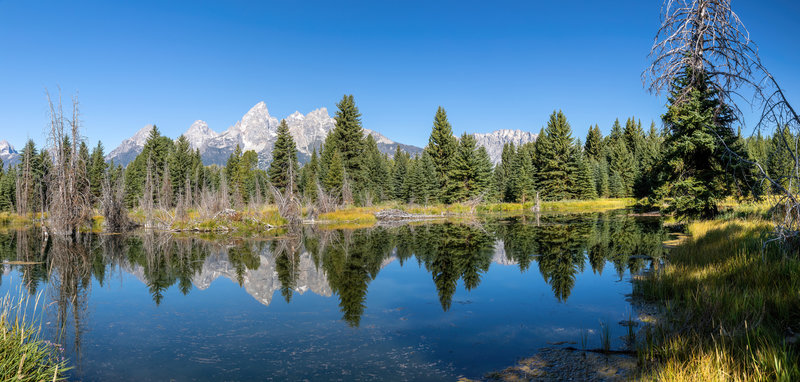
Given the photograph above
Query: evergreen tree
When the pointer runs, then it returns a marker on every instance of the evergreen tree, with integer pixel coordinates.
(8, 190)
(284, 169)
(97, 171)
(521, 183)
(180, 165)
(156, 150)
(697, 169)
(334, 179)
(616, 185)
(376, 171)
(621, 163)
(594, 143)
(442, 148)
(502, 172)
(423, 183)
(309, 176)
(780, 157)
(649, 157)
(470, 172)
(601, 178)
(399, 174)
(585, 187)
(555, 162)
(348, 136)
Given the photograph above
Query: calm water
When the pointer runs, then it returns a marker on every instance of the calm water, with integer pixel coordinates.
(414, 302)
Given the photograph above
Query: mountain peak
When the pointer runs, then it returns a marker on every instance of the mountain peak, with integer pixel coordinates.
(198, 133)
(494, 141)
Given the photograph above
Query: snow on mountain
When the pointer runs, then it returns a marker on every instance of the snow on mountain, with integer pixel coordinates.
(494, 141)
(8, 154)
(198, 134)
(127, 151)
(257, 131)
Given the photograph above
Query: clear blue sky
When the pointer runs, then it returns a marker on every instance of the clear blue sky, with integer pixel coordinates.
(491, 64)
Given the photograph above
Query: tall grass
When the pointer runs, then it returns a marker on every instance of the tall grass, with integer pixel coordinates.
(732, 307)
(24, 355)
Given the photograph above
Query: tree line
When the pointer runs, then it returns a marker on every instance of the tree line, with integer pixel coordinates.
(678, 163)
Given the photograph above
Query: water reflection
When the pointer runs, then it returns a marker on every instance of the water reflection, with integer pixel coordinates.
(339, 262)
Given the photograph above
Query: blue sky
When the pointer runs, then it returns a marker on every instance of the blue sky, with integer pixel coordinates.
(491, 64)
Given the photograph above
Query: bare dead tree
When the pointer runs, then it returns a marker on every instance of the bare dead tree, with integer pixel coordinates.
(325, 201)
(165, 193)
(70, 208)
(710, 39)
(146, 203)
(113, 205)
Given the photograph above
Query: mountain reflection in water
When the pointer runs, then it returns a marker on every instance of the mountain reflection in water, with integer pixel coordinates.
(332, 263)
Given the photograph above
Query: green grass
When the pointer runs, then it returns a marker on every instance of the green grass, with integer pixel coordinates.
(730, 307)
(24, 355)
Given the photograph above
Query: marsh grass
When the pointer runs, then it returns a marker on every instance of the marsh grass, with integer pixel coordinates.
(24, 355)
(733, 307)
(605, 337)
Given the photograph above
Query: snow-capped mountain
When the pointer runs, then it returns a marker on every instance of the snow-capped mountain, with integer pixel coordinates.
(127, 151)
(257, 131)
(494, 141)
(8, 154)
(198, 134)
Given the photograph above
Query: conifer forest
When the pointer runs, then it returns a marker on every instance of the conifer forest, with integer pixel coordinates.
(654, 246)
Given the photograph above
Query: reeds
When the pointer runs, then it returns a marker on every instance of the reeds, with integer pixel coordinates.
(24, 354)
(733, 306)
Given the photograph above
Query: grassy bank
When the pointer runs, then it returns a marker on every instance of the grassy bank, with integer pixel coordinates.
(262, 219)
(732, 309)
(24, 355)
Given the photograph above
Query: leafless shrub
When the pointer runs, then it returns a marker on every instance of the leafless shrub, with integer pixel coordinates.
(288, 205)
(325, 201)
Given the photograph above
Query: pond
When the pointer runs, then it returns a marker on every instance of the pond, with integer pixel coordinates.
(431, 301)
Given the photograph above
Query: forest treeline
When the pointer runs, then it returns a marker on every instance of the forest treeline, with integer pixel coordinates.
(350, 169)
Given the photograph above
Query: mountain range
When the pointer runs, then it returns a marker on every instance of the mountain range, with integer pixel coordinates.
(257, 131)
(8, 154)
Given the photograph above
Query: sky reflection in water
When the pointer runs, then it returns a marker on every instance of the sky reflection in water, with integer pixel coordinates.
(417, 302)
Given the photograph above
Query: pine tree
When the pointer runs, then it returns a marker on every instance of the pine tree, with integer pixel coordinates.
(469, 174)
(616, 185)
(8, 190)
(157, 149)
(780, 157)
(649, 158)
(594, 143)
(601, 178)
(97, 172)
(555, 164)
(621, 162)
(348, 136)
(521, 182)
(376, 171)
(284, 160)
(334, 179)
(442, 148)
(180, 165)
(309, 176)
(697, 169)
(399, 174)
(585, 187)
(502, 172)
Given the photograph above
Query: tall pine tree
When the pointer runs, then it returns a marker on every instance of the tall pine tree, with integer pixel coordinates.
(284, 169)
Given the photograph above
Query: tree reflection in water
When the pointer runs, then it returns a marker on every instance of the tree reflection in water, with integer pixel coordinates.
(347, 260)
